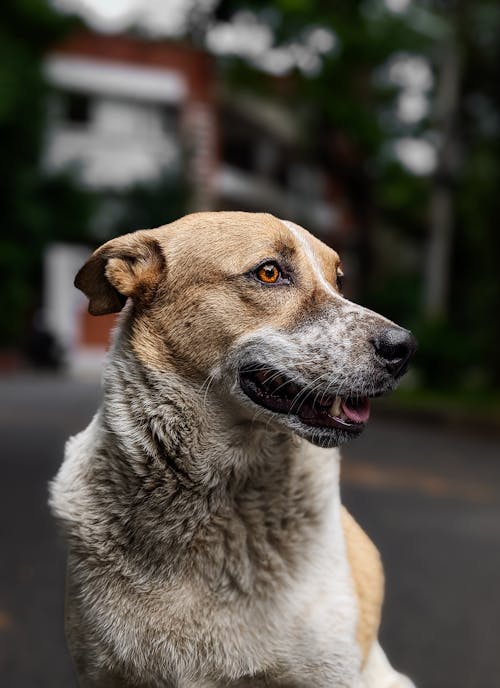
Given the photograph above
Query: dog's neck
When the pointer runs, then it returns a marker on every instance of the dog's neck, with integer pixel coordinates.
(184, 428)
(194, 479)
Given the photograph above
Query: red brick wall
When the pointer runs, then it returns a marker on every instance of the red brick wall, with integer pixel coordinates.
(95, 331)
(196, 65)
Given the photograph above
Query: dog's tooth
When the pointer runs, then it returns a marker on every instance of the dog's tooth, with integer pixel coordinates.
(334, 409)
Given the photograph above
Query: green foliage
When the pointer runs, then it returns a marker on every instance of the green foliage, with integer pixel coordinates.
(448, 357)
(402, 200)
(343, 92)
(396, 296)
(34, 209)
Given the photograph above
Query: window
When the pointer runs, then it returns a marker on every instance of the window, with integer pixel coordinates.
(77, 108)
(170, 119)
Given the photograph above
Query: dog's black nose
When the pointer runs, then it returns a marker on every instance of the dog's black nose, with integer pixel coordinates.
(395, 346)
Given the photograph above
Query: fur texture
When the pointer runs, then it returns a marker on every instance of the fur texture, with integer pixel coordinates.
(207, 543)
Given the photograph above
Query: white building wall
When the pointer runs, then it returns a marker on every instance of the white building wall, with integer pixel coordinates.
(126, 138)
(121, 80)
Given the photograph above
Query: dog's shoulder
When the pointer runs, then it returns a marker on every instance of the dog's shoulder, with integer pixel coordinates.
(368, 579)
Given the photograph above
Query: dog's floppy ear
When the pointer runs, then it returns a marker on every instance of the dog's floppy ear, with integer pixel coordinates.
(128, 266)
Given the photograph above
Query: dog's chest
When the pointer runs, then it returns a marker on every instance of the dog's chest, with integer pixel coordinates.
(293, 626)
(301, 632)
(308, 632)
(302, 635)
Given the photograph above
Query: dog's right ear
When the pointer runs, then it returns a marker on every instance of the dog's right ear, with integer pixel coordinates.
(128, 266)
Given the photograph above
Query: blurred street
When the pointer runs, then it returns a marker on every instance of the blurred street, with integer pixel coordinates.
(429, 498)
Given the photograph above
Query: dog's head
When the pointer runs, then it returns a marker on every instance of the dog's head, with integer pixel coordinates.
(256, 303)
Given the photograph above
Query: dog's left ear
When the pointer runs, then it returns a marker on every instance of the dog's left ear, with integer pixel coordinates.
(128, 266)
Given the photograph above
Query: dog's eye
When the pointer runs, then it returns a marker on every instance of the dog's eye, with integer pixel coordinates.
(269, 273)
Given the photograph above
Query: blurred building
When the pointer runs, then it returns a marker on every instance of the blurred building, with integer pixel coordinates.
(124, 110)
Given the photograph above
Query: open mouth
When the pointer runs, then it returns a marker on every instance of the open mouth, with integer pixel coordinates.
(275, 392)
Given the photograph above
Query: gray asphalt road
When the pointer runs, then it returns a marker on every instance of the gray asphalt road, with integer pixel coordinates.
(429, 498)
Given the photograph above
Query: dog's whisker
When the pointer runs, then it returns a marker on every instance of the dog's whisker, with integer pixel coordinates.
(209, 380)
(305, 393)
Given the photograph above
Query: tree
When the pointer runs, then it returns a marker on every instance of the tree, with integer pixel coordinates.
(33, 208)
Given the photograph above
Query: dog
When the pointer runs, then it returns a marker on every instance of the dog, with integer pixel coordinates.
(207, 545)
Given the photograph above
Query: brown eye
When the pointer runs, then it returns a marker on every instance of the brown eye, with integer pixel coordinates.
(268, 273)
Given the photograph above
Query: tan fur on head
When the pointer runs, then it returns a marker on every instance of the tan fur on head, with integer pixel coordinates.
(128, 266)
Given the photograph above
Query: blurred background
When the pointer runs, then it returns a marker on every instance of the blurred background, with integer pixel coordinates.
(376, 125)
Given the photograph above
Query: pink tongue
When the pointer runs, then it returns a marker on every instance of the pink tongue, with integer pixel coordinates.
(360, 414)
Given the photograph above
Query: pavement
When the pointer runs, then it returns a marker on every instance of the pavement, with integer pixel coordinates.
(429, 498)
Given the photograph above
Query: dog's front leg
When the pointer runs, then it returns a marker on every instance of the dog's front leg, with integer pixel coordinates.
(378, 673)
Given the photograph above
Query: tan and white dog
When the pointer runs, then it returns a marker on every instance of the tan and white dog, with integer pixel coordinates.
(207, 543)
